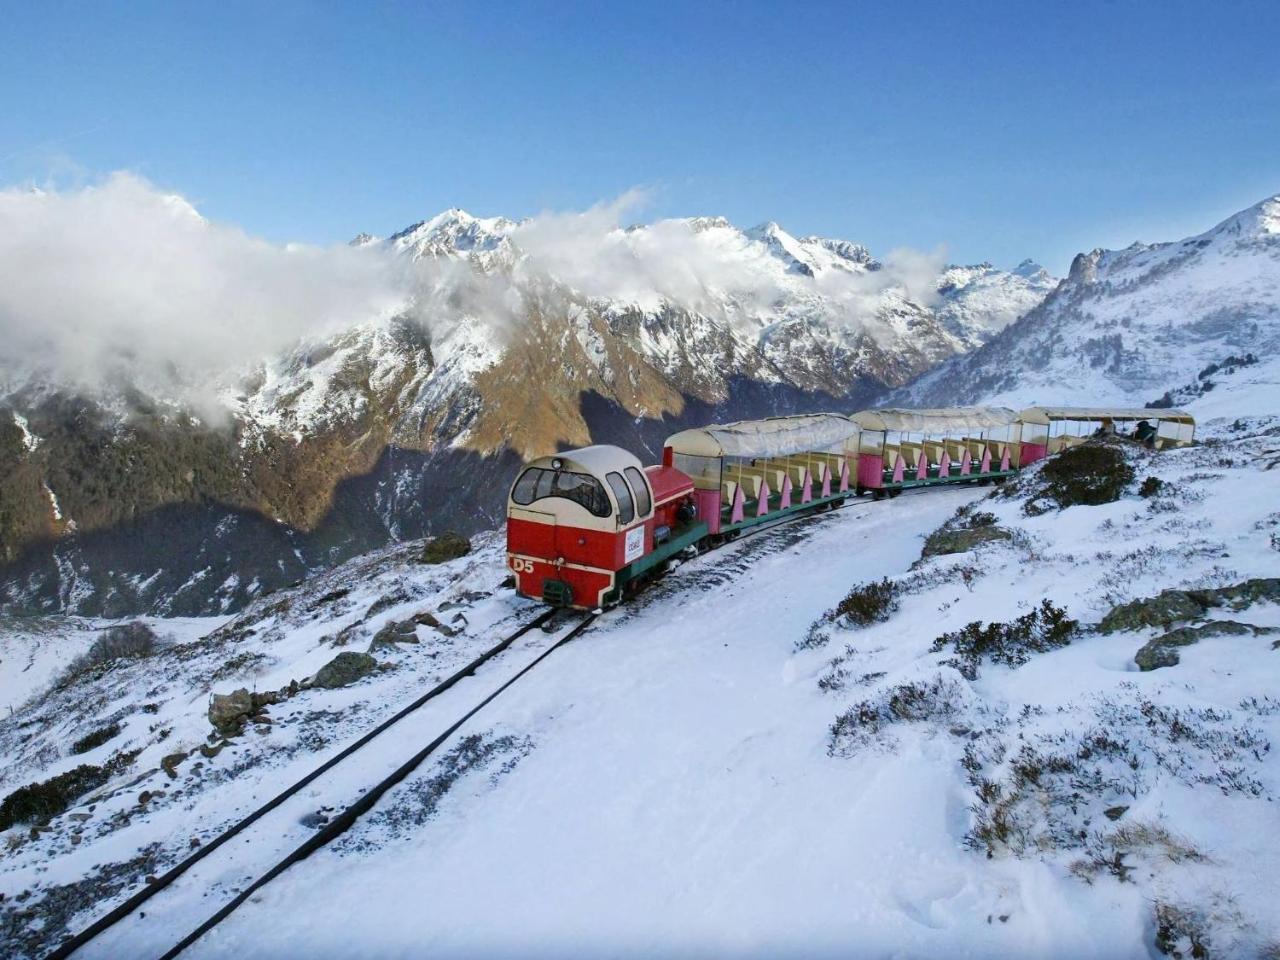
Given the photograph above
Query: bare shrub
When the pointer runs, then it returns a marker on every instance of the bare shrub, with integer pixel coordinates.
(126, 641)
(920, 700)
(1180, 932)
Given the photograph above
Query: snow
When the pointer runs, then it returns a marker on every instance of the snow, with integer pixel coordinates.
(1131, 323)
(53, 501)
(673, 782)
(670, 783)
(29, 440)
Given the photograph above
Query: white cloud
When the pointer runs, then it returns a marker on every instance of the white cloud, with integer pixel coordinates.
(706, 269)
(121, 280)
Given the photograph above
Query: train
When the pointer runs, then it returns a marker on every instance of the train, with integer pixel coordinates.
(587, 528)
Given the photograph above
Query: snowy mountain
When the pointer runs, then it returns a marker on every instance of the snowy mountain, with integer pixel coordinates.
(1135, 324)
(719, 768)
(980, 301)
(517, 338)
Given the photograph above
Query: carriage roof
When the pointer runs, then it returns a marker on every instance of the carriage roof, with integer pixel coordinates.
(1051, 414)
(940, 420)
(596, 460)
(771, 437)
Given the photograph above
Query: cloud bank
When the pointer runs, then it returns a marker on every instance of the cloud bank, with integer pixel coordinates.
(120, 281)
(701, 266)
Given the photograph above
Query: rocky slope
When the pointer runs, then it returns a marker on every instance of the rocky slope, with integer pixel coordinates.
(1136, 324)
(518, 339)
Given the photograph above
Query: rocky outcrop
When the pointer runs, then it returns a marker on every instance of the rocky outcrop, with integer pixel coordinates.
(1179, 606)
(230, 711)
(1163, 650)
(963, 533)
(398, 631)
(344, 670)
(447, 546)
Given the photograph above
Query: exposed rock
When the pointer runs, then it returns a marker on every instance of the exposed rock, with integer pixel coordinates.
(447, 546)
(228, 710)
(1170, 607)
(170, 763)
(1162, 651)
(945, 541)
(398, 631)
(428, 620)
(386, 602)
(344, 670)
(1175, 606)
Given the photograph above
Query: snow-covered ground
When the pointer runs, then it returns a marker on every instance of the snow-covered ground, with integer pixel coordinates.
(676, 781)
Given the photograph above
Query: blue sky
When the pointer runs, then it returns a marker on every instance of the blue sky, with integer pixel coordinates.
(999, 130)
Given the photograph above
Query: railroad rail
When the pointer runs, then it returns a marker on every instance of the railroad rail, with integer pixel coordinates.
(340, 823)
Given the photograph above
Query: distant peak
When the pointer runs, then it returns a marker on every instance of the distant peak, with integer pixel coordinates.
(698, 224)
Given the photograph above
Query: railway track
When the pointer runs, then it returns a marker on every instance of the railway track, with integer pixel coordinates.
(344, 820)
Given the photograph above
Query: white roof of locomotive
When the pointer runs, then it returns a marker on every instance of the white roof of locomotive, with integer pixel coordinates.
(596, 460)
(771, 437)
(940, 420)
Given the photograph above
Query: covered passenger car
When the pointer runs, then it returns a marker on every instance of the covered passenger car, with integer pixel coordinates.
(898, 448)
(583, 524)
(750, 471)
(1050, 430)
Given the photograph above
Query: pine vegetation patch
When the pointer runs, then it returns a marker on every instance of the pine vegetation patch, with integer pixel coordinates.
(1091, 474)
(1045, 628)
(867, 603)
(97, 738)
(40, 802)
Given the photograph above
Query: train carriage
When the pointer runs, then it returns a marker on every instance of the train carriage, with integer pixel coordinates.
(1050, 430)
(585, 525)
(755, 471)
(897, 449)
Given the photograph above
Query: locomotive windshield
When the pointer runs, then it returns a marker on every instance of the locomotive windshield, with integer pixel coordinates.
(536, 483)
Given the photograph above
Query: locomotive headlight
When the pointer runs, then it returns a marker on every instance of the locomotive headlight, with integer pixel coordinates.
(557, 464)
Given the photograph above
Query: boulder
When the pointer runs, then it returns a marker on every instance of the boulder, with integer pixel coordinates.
(1176, 606)
(944, 541)
(227, 711)
(344, 670)
(398, 631)
(1170, 607)
(169, 764)
(427, 619)
(447, 546)
(1163, 652)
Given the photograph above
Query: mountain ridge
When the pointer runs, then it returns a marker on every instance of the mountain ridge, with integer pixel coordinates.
(382, 431)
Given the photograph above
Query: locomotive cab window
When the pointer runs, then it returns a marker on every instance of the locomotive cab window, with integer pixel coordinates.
(643, 501)
(626, 510)
(537, 483)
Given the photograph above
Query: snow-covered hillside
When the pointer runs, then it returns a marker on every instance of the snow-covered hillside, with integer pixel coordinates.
(1129, 325)
(722, 767)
